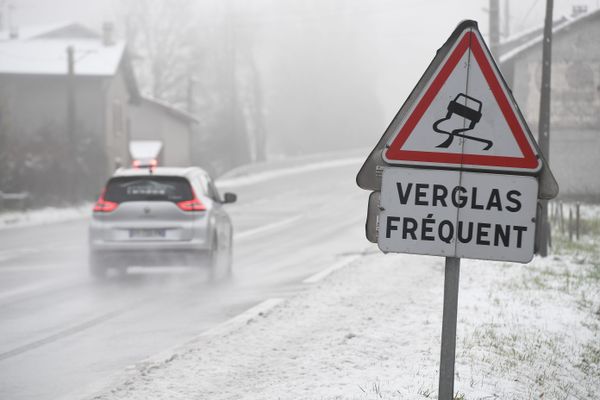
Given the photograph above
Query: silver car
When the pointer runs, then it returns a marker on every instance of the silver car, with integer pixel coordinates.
(160, 216)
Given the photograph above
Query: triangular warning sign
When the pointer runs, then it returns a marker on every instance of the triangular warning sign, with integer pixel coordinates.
(464, 116)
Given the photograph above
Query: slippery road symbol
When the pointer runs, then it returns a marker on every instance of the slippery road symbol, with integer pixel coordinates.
(462, 106)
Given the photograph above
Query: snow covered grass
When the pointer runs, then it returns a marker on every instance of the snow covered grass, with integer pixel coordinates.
(43, 216)
(538, 334)
(371, 331)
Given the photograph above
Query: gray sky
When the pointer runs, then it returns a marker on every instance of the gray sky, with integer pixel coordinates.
(400, 37)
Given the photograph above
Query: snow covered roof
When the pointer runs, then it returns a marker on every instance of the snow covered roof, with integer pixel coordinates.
(170, 109)
(53, 30)
(42, 50)
(49, 57)
(563, 26)
(516, 40)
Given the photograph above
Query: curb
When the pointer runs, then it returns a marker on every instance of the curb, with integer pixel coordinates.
(166, 356)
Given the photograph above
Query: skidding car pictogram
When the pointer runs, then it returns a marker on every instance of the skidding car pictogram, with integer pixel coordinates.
(471, 114)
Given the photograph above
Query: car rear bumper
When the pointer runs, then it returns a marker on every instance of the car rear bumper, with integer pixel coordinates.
(149, 258)
(143, 246)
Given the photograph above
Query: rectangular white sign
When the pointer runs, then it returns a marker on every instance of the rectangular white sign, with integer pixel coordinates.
(458, 214)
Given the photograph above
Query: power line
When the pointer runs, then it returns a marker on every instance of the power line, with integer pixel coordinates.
(528, 12)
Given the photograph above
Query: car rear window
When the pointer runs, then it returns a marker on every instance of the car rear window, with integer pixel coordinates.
(148, 188)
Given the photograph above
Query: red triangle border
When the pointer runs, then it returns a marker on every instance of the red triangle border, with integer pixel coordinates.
(395, 155)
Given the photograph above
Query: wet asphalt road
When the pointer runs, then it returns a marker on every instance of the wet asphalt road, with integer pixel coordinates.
(65, 336)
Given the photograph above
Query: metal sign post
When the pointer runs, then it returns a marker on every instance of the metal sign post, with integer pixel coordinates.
(447, 357)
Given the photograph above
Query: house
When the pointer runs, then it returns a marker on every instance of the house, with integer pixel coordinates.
(575, 99)
(88, 108)
(88, 103)
(157, 121)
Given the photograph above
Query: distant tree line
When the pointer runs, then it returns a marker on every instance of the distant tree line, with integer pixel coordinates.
(42, 165)
(266, 76)
(198, 64)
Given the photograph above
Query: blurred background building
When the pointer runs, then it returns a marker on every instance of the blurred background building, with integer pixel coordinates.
(575, 99)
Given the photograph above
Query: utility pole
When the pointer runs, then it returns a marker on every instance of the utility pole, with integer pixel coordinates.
(70, 122)
(544, 121)
(494, 27)
(190, 105)
(233, 99)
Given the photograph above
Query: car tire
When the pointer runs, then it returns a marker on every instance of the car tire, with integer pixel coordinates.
(97, 266)
(229, 256)
(220, 259)
(213, 260)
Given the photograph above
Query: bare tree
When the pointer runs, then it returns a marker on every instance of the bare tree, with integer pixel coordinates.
(193, 53)
(161, 37)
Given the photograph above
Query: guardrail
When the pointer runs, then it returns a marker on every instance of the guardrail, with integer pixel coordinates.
(14, 201)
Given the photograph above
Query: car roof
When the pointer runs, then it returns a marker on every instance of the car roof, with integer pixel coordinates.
(159, 171)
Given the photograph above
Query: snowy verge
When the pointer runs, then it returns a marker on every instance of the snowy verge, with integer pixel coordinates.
(258, 177)
(286, 162)
(43, 216)
(371, 331)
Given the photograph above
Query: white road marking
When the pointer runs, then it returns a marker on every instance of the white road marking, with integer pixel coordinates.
(319, 276)
(265, 228)
(32, 288)
(6, 255)
(11, 254)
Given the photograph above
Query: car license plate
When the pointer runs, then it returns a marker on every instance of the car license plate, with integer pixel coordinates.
(146, 233)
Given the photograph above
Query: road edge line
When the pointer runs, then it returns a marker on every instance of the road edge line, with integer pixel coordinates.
(164, 357)
(232, 324)
(319, 276)
(265, 228)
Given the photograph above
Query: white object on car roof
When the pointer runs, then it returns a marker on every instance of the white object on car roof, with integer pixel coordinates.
(145, 149)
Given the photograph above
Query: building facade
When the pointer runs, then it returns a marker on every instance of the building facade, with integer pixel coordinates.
(68, 121)
(154, 120)
(575, 100)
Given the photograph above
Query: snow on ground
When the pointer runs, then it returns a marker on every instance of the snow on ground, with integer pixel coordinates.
(371, 331)
(43, 216)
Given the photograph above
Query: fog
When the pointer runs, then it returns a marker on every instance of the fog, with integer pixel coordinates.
(269, 79)
(277, 102)
(309, 76)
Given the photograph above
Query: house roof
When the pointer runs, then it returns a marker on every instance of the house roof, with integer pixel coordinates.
(169, 109)
(49, 57)
(53, 30)
(560, 27)
(42, 50)
(514, 41)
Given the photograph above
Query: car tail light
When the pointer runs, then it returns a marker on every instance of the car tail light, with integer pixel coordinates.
(192, 205)
(149, 164)
(103, 205)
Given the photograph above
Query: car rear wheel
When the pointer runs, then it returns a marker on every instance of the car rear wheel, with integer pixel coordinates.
(221, 259)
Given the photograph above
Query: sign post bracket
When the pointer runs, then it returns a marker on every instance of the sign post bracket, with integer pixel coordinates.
(447, 357)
